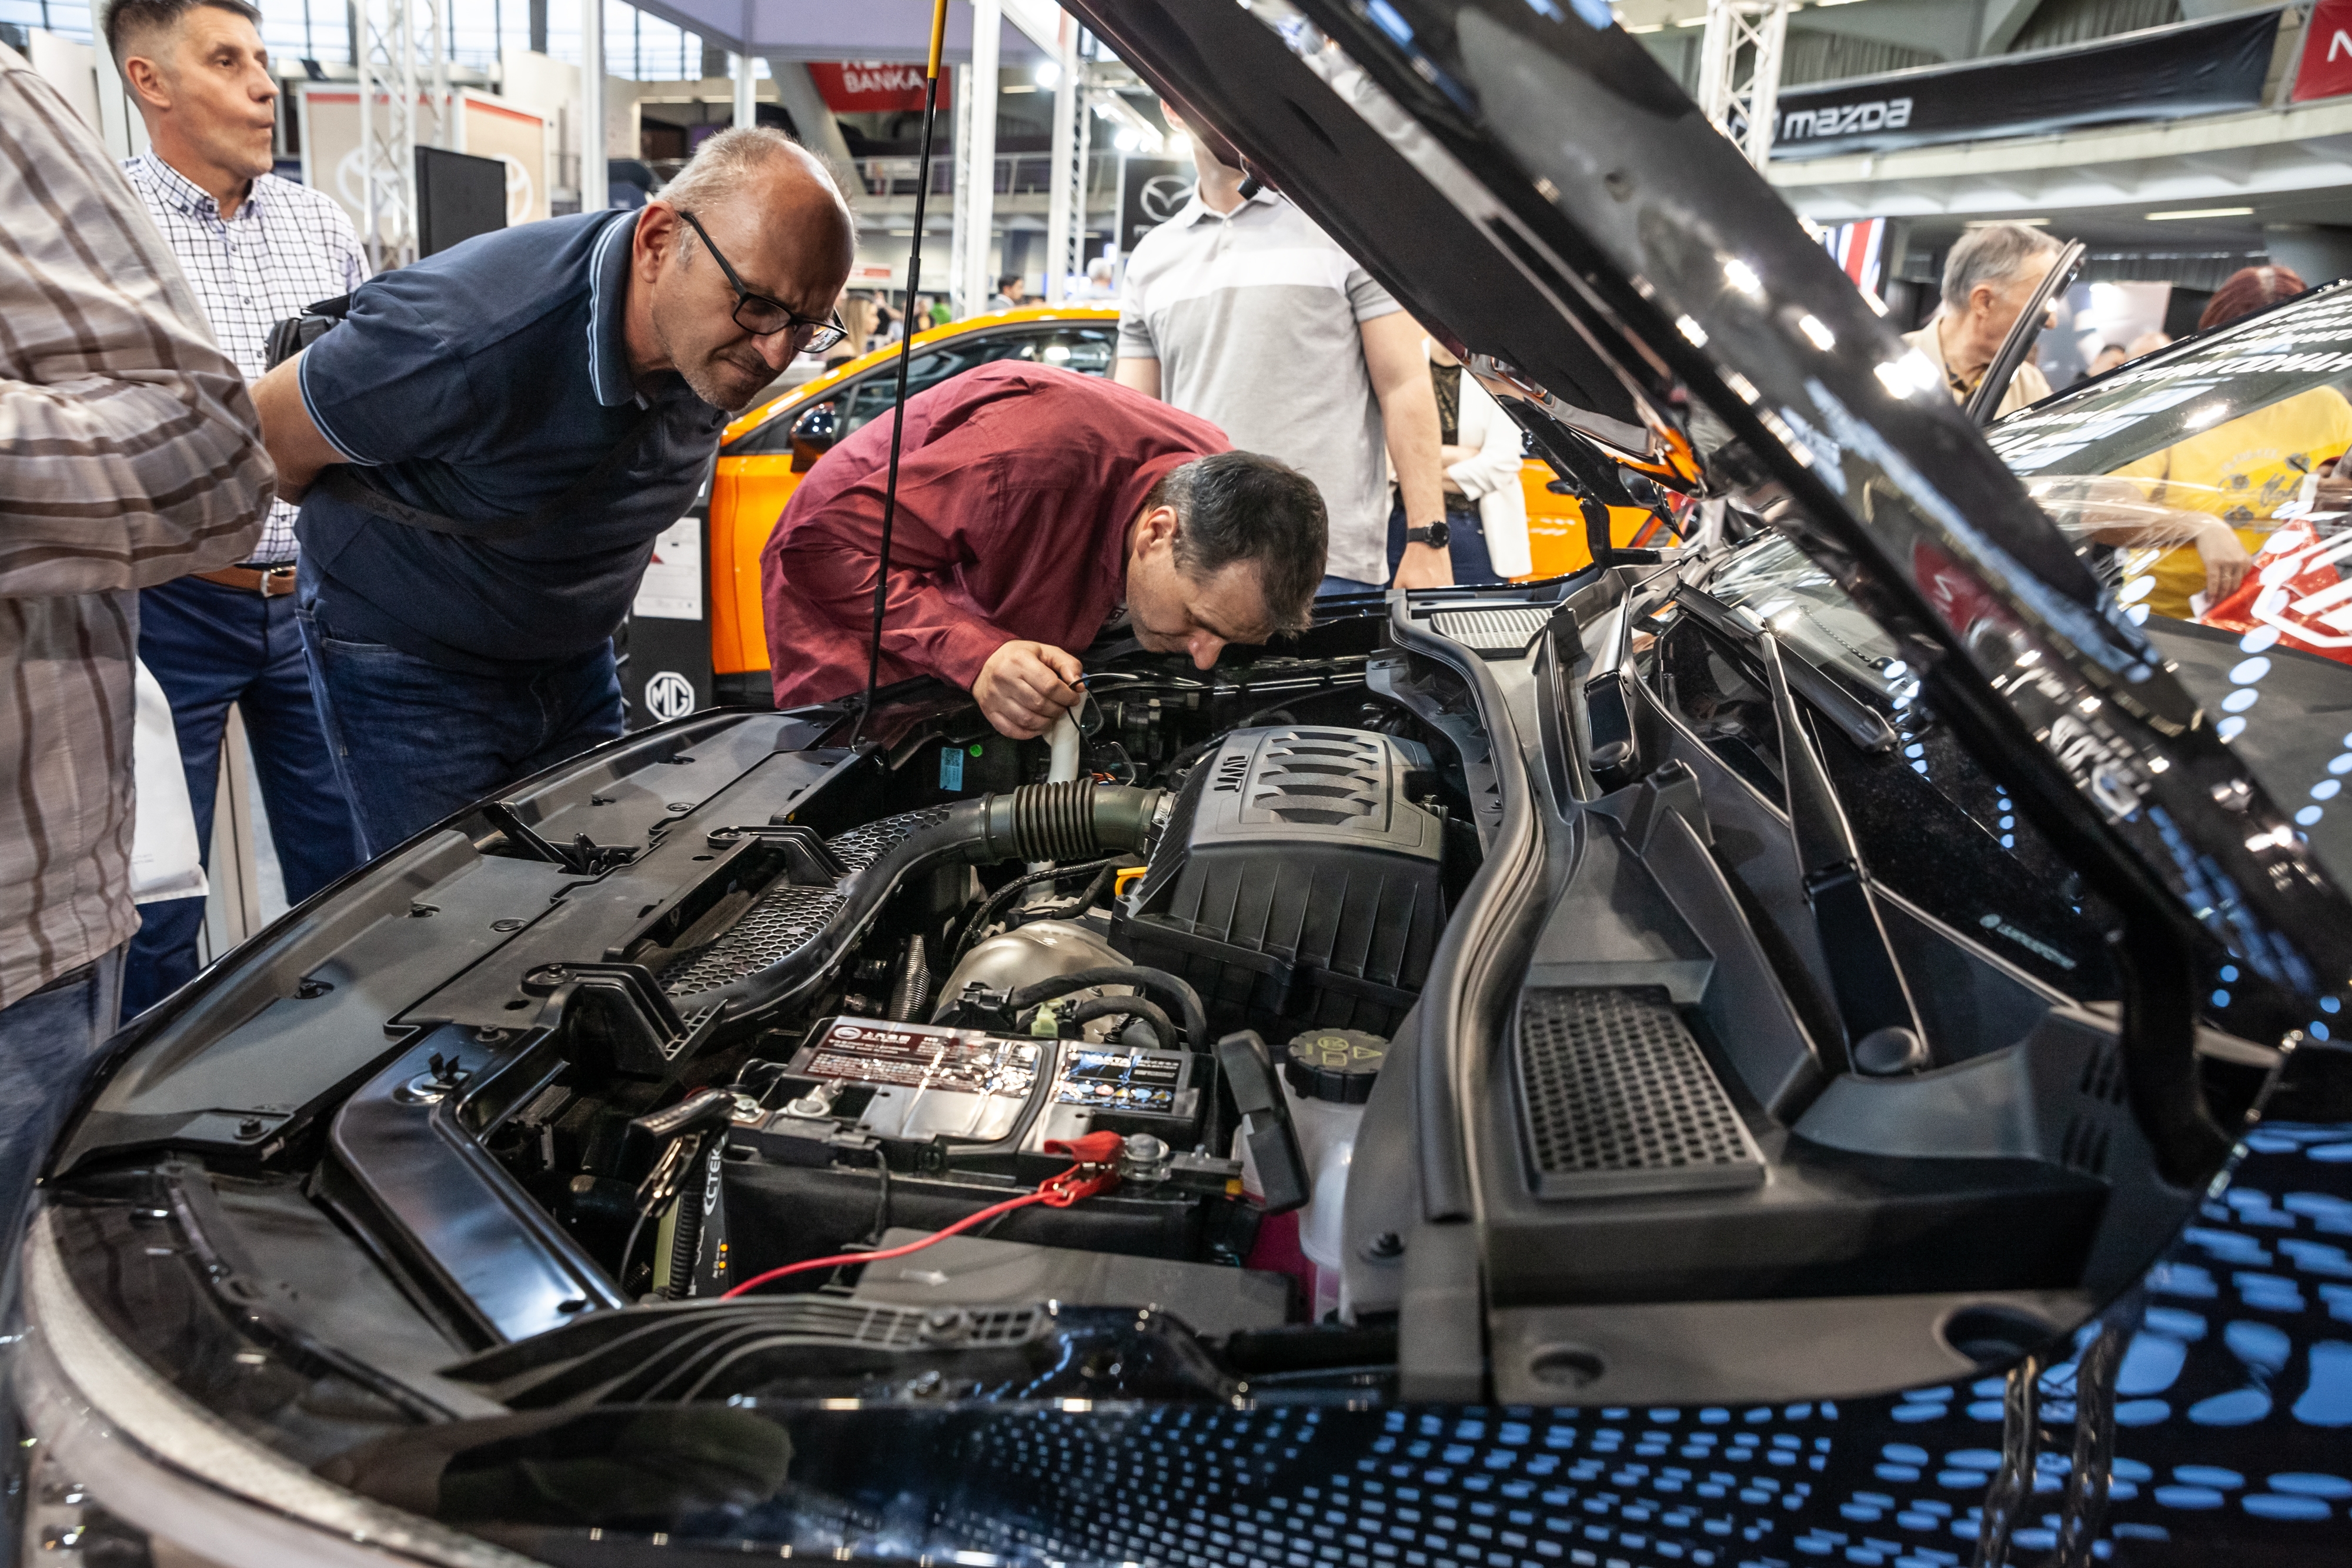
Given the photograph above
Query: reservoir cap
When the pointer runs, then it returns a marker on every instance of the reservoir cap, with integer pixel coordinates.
(1334, 1064)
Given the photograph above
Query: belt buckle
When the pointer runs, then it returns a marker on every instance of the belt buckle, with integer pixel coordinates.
(272, 575)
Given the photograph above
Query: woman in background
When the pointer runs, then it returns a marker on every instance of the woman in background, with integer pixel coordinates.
(1479, 446)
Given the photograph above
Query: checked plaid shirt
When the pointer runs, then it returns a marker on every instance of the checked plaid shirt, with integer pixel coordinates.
(130, 454)
(287, 247)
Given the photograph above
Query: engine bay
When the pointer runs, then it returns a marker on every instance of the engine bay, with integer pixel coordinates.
(1285, 1022)
(1079, 1025)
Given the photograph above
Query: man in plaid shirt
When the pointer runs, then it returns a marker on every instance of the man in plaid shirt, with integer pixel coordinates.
(258, 248)
(130, 453)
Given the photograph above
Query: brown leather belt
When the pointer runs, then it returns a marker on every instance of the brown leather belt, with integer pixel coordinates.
(275, 583)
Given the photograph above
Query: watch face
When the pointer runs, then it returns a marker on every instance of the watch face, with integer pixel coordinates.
(1436, 535)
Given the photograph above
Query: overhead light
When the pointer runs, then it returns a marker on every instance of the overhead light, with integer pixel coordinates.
(1128, 142)
(1647, 28)
(1047, 75)
(1997, 223)
(1817, 331)
(2203, 212)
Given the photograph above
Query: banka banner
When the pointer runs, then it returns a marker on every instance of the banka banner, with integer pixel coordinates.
(2162, 73)
(853, 87)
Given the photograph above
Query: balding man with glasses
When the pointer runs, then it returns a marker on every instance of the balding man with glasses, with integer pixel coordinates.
(485, 447)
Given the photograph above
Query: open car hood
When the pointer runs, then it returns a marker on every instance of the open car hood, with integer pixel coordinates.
(1534, 188)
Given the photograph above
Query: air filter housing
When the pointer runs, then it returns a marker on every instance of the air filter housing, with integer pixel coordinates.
(1296, 883)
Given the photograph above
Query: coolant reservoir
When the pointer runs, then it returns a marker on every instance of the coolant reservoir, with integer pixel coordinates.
(1328, 1074)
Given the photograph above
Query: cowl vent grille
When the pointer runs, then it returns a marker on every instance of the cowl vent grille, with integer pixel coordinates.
(787, 915)
(1615, 1097)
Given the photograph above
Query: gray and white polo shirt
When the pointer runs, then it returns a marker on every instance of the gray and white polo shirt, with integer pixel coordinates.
(1254, 317)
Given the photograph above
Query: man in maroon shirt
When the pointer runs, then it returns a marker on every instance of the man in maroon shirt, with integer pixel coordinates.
(1033, 502)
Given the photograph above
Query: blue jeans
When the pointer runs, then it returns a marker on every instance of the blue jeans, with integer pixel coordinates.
(47, 1042)
(414, 742)
(1468, 549)
(209, 647)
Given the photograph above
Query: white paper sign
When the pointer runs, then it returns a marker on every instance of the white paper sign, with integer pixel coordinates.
(164, 862)
(671, 589)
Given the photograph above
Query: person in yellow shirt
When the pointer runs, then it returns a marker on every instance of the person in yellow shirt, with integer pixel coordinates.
(2238, 474)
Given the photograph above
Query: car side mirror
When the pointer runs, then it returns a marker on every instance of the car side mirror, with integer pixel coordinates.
(814, 434)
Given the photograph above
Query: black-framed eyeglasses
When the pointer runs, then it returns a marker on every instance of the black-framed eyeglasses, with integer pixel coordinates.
(760, 316)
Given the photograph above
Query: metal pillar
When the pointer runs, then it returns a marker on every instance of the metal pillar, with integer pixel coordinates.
(406, 102)
(595, 193)
(433, 40)
(1740, 71)
(387, 150)
(1066, 202)
(747, 91)
(958, 209)
(976, 160)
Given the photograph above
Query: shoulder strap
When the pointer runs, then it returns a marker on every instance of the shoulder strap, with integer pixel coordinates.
(343, 482)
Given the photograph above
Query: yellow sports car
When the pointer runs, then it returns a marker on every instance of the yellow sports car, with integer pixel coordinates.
(764, 452)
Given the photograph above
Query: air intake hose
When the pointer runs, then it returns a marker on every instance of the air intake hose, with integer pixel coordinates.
(1077, 820)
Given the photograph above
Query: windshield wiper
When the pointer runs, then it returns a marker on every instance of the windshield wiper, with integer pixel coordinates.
(1856, 719)
(1882, 1027)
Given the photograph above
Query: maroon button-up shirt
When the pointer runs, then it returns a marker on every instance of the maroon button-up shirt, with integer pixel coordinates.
(1016, 484)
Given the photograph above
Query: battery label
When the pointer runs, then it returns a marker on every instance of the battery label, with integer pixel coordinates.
(951, 768)
(1122, 1079)
(957, 1060)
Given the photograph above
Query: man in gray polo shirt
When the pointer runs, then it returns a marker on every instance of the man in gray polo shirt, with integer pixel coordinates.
(1240, 310)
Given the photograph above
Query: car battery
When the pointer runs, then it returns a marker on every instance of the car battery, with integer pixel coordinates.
(910, 1082)
(861, 1080)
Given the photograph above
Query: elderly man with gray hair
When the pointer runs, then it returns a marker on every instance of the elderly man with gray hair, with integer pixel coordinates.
(1989, 279)
(488, 445)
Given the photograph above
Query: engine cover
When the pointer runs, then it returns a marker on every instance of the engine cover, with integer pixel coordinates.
(1296, 882)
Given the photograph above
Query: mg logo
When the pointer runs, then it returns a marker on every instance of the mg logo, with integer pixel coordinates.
(669, 696)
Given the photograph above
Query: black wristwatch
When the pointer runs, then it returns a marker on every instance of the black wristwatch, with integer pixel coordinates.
(1436, 535)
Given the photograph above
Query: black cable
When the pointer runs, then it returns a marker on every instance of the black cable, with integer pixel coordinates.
(899, 409)
(621, 1275)
(1156, 982)
(1084, 899)
(1003, 895)
(1126, 1007)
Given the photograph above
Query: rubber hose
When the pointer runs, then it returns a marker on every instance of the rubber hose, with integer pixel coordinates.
(1153, 982)
(1037, 822)
(914, 986)
(1127, 1006)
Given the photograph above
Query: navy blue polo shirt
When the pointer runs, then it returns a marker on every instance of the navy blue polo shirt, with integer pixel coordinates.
(482, 383)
